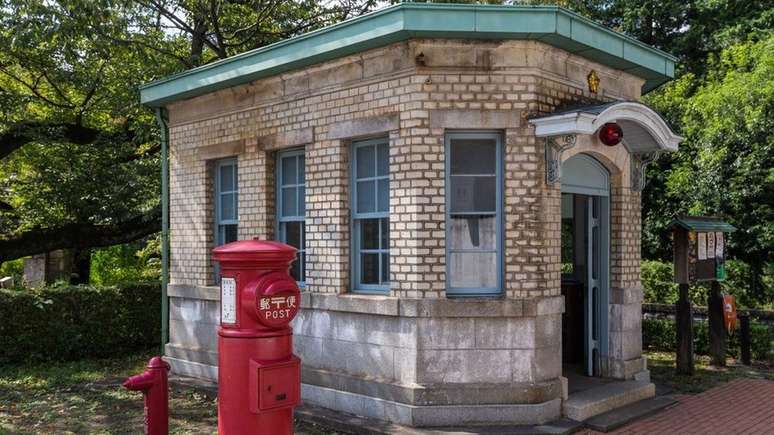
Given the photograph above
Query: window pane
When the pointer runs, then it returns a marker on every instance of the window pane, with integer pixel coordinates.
(366, 196)
(473, 270)
(302, 259)
(385, 234)
(383, 160)
(227, 178)
(295, 270)
(384, 195)
(227, 207)
(289, 170)
(369, 234)
(473, 232)
(385, 268)
(369, 268)
(473, 156)
(292, 233)
(289, 201)
(366, 160)
(302, 201)
(473, 194)
(301, 169)
(230, 233)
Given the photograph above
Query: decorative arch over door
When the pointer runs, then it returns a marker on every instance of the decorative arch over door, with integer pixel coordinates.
(585, 175)
(645, 134)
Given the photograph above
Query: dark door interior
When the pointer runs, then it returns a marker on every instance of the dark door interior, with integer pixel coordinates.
(573, 277)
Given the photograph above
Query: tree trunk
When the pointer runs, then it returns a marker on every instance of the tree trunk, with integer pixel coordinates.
(717, 330)
(81, 273)
(80, 236)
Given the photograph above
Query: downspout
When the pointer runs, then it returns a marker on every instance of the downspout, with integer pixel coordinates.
(163, 136)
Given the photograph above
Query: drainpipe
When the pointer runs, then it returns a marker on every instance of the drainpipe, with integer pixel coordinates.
(161, 119)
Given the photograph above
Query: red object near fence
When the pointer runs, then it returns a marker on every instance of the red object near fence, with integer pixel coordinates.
(729, 312)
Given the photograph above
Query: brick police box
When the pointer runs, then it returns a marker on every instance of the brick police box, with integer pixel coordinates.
(468, 248)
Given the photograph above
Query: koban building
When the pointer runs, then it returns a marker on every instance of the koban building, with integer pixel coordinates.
(468, 248)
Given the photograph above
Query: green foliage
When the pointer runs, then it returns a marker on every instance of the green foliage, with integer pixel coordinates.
(725, 166)
(130, 262)
(661, 334)
(13, 268)
(658, 282)
(72, 322)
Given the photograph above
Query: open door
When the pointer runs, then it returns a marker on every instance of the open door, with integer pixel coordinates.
(585, 263)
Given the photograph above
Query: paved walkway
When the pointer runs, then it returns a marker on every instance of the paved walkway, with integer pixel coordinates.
(743, 406)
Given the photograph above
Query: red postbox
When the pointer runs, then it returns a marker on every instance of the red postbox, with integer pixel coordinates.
(154, 386)
(259, 378)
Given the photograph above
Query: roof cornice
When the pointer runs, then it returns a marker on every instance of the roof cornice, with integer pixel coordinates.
(549, 24)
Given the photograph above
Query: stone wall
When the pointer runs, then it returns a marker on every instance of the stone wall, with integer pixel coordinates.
(423, 362)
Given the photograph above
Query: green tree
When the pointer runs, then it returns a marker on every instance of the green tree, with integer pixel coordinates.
(78, 154)
(725, 167)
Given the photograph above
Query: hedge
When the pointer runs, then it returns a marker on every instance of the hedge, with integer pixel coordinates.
(661, 334)
(73, 322)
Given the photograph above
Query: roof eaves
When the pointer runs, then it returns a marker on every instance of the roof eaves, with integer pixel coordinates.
(550, 24)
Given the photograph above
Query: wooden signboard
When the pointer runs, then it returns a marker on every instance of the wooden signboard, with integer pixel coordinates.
(699, 249)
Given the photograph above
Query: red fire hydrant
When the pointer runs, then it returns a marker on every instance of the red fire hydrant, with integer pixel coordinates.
(259, 378)
(153, 384)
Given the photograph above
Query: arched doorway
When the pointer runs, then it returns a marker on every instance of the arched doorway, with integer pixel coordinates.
(585, 263)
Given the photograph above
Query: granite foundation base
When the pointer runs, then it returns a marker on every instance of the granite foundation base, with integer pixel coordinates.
(429, 415)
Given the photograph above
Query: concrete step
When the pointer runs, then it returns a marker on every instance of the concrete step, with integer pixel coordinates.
(616, 418)
(583, 405)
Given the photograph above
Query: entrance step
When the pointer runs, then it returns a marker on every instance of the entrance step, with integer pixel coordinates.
(616, 418)
(585, 404)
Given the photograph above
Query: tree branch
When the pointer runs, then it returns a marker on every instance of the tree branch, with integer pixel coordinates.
(80, 236)
(23, 133)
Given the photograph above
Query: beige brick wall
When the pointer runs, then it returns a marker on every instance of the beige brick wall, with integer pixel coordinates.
(496, 81)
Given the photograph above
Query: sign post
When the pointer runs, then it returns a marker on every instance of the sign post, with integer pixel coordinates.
(699, 255)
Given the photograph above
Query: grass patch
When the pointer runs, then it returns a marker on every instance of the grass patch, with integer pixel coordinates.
(662, 371)
(86, 396)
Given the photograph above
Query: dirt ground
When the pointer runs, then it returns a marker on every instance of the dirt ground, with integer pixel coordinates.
(87, 397)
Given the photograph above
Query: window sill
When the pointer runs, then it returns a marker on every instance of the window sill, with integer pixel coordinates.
(443, 307)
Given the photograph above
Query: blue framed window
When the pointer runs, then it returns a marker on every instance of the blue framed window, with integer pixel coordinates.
(474, 198)
(371, 216)
(226, 201)
(291, 207)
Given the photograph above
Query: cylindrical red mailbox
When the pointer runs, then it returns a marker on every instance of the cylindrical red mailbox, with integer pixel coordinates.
(259, 378)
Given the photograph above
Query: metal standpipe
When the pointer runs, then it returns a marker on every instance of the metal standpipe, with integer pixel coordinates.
(259, 378)
(155, 388)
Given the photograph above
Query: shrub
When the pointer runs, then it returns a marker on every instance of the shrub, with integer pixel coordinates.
(135, 261)
(14, 269)
(661, 334)
(659, 282)
(73, 322)
(660, 288)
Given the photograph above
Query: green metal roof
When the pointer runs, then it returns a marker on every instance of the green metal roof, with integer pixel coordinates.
(702, 223)
(550, 24)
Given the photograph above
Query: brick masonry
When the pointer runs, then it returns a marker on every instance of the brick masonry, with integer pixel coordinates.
(495, 85)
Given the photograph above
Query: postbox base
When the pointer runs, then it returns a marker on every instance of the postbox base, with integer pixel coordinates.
(238, 358)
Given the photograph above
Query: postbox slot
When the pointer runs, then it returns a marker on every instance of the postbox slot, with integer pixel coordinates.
(274, 385)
